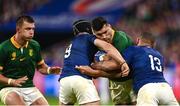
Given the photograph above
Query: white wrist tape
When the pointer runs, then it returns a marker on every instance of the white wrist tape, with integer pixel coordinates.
(48, 70)
(9, 81)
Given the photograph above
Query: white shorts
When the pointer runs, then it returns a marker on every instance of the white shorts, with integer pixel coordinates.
(156, 93)
(29, 94)
(77, 89)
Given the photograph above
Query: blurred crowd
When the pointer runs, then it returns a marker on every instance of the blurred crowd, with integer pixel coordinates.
(10, 9)
(160, 17)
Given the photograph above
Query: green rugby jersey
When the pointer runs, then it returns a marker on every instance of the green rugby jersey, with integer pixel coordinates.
(121, 41)
(17, 61)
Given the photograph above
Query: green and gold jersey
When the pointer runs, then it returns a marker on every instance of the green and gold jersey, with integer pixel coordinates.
(121, 41)
(17, 61)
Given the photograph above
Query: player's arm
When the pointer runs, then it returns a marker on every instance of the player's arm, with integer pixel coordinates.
(45, 69)
(107, 65)
(110, 50)
(3, 79)
(97, 73)
(12, 82)
(42, 66)
(114, 53)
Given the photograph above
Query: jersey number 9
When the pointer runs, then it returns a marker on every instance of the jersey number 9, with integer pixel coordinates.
(68, 51)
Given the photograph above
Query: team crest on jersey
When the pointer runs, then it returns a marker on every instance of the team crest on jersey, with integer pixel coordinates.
(30, 52)
(13, 55)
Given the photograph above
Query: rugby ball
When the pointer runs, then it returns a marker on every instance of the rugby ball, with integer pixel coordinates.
(99, 56)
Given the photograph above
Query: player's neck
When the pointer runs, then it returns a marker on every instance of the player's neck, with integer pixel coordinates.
(144, 44)
(19, 40)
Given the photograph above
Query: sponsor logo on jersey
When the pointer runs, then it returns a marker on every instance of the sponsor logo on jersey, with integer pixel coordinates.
(13, 55)
(30, 52)
(22, 59)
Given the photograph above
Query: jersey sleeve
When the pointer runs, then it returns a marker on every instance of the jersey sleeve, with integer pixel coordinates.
(39, 59)
(92, 38)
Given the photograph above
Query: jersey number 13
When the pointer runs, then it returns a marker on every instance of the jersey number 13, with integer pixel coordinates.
(155, 63)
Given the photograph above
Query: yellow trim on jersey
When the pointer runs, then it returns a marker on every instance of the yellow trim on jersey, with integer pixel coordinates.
(41, 62)
(1, 68)
(16, 43)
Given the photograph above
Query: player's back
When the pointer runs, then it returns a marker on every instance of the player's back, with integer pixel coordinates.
(146, 65)
(80, 52)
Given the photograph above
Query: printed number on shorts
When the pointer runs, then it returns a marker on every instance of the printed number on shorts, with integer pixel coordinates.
(155, 63)
(68, 51)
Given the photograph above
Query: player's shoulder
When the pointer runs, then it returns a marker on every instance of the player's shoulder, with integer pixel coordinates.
(157, 52)
(90, 37)
(133, 47)
(121, 33)
(122, 36)
(85, 36)
(34, 42)
(5, 43)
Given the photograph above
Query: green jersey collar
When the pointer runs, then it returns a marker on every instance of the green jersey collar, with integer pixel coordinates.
(13, 41)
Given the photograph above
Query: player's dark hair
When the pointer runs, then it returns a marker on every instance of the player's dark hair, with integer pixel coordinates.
(24, 18)
(82, 26)
(148, 38)
(98, 23)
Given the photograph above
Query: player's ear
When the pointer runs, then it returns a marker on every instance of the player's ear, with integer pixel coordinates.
(17, 29)
(137, 41)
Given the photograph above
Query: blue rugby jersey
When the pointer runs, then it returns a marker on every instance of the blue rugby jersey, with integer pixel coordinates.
(146, 65)
(80, 52)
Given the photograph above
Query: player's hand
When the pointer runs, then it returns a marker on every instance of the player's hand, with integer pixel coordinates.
(96, 65)
(125, 69)
(55, 70)
(89, 71)
(19, 81)
(83, 69)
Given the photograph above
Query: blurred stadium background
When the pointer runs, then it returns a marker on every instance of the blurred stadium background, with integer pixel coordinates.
(53, 31)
